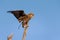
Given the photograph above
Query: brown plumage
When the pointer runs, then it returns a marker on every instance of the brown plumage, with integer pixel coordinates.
(22, 17)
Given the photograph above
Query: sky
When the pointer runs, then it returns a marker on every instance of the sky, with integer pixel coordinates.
(45, 25)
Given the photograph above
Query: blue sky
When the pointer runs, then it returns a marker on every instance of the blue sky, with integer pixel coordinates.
(45, 25)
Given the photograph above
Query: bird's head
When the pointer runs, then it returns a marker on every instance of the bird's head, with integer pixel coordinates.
(30, 15)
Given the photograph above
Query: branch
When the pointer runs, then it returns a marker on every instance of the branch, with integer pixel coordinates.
(10, 37)
(24, 34)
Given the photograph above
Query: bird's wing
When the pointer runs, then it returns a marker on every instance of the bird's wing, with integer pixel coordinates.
(18, 13)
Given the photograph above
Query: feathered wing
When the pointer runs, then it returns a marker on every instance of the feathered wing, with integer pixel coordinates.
(18, 13)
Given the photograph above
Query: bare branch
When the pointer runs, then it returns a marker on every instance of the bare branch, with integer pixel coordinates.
(24, 34)
(10, 37)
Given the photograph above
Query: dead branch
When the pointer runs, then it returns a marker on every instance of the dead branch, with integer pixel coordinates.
(10, 37)
(24, 34)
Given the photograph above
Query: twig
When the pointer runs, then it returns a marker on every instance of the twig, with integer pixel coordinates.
(24, 34)
(10, 37)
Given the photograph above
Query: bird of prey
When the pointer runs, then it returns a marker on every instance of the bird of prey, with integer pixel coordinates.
(22, 17)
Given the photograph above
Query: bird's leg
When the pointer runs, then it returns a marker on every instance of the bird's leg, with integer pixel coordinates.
(24, 24)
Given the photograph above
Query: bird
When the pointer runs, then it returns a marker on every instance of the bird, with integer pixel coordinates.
(22, 17)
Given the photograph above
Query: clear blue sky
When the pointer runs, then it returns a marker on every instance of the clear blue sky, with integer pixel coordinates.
(45, 25)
